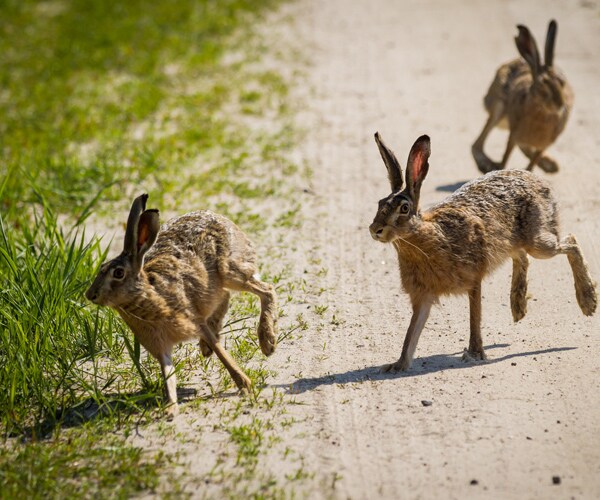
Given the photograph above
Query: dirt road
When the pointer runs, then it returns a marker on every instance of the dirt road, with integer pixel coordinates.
(497, 430)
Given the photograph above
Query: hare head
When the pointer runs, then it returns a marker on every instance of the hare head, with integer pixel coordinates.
(398, 211)
(121, 278)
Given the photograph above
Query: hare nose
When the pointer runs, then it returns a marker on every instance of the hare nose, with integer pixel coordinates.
(379, 231)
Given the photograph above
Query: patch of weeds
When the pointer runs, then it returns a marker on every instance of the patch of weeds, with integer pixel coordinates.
(80, 463)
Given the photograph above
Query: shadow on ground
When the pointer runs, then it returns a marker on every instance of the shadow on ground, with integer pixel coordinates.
(421, 366)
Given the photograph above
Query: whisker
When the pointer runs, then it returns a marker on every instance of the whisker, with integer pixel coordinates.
(413, 245)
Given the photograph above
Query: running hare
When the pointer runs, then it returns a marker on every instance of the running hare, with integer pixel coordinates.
(531, 99)
(171, 284)
(451, 247)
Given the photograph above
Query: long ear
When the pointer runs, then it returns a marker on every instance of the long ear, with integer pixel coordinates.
(528, 49)
(131, 233)
(550, 42)
(391, 163)
(148, 227)
(417, 167)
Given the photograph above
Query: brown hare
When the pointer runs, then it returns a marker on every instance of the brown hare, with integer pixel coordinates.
(451, 247)
(531, 99)
(172, 284)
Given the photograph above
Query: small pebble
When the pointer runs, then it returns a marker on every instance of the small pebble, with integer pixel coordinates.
(513, 364)
(555, 479)
(474, 482)
(424, 402)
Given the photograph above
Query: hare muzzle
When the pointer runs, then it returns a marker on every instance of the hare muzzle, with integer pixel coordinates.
(376, 230)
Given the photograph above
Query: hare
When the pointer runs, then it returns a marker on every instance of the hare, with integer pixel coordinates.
(531, 99)
(172, 284)
(451, 247)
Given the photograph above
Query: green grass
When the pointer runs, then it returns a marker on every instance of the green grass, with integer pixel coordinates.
(100, 100)
(100, 94)
(83, 464)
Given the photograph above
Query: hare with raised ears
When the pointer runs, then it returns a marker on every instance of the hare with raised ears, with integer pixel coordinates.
(172, 284)
(531, 98)
(449, 248)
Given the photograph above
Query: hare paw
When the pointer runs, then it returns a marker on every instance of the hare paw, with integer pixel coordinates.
(469, 356)
(244, 384)
(172, 411)
(548, 165)
(486, 165)
(587, 298)
(267, 340)
(396, 367)
(205, 349)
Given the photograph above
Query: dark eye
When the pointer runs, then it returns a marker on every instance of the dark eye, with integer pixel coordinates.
(404, 208)
(118, 273)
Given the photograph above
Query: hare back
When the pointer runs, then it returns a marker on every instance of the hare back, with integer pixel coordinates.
(511, 207)
(192, 256)
(205, 237)
(469, 234)
(509, 76)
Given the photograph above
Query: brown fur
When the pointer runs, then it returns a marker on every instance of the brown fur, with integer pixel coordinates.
(452, 246)
(179, 289)
(532, 100)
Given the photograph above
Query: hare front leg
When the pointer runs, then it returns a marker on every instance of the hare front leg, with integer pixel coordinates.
(168, 371)
(475, 351)
(417, 322)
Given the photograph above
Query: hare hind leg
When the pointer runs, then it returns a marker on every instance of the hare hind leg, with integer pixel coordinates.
(547, 246)
(267, 325)
(536, 157)
(518, 290)
(239, 377)
(417, 322)
(215, 323)
(475, 351)
(484, 163)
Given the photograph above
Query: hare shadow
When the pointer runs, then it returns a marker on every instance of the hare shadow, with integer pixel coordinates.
(421, 366)
(141, 403)
(450, 188)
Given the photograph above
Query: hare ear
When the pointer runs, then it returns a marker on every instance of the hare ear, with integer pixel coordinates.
(131, 233)
(550, 42)
(148, 227)
(391, 163)
(528, 49)
(417, 167)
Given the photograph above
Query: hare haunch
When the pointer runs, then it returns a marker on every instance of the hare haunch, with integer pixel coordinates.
(531, 99)
(172, 284)
(451, 247)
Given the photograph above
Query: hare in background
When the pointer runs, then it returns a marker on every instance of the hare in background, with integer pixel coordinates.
(172, 284)
(530, 98)
(451, 247)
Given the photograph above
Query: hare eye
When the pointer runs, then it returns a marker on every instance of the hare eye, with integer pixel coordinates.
(404, 208)
(119, 273)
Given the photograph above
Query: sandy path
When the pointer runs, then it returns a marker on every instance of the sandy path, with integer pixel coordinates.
(533, 412)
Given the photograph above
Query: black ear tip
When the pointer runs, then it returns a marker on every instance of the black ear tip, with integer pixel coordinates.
(553, 24)
(377, 136)
(424, 138)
